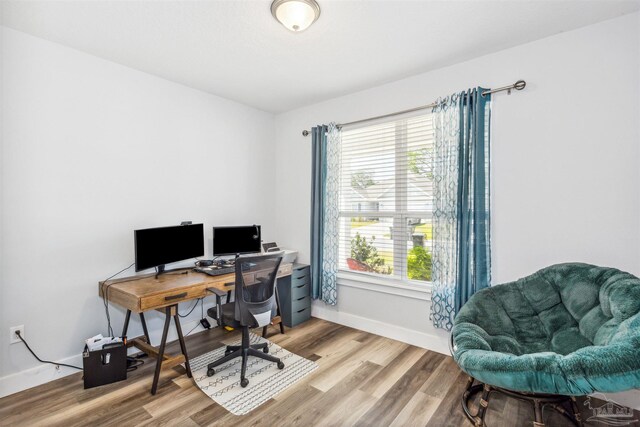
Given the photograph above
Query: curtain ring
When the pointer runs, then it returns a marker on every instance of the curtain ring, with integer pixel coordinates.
(437, 105)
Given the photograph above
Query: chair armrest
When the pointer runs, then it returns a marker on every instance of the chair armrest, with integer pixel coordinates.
(218, 292)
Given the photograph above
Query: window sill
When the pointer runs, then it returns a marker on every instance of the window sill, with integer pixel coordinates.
(387, 286)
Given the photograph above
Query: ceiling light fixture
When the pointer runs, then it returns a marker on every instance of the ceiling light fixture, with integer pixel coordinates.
(295, 15)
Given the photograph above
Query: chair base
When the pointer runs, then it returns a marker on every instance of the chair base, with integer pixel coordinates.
(245, 350)
(538, 401)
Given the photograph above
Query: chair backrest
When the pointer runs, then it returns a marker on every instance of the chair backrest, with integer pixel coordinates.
(255, 301)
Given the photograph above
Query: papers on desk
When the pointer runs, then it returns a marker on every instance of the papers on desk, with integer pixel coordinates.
(99, 342)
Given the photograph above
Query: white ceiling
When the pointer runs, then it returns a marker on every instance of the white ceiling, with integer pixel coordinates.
(235, 49)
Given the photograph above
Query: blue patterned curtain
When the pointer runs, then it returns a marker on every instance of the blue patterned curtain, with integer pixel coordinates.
(445, 212)
(461, 221)
(325, 184)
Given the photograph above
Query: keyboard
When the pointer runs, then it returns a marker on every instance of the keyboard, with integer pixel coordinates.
(216, 271)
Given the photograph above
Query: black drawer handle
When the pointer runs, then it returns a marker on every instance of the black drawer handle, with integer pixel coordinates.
(300, 299)
(300, 311)
(301, 286)
(176, 296)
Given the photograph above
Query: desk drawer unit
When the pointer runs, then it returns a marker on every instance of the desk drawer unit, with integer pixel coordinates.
(295, 296)
(300, 291)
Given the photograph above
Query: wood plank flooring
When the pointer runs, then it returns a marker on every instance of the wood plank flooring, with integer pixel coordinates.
(362, 380)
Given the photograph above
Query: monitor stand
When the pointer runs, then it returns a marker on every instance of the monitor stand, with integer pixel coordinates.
(163, 270)
(160, 270)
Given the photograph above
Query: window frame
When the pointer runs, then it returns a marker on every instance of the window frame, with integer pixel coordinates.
(376, 281)
(388, 285)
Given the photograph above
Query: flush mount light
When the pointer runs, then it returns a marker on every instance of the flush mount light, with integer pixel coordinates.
(295, 15)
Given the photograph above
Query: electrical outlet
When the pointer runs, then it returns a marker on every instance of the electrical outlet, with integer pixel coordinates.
(12, 333)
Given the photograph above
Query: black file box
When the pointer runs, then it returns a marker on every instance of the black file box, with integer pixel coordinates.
(104, 366)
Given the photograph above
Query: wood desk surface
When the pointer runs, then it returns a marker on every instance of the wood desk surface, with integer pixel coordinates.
(144, 293)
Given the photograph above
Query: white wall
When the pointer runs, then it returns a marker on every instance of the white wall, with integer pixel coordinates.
(92, 150)
(565, 157)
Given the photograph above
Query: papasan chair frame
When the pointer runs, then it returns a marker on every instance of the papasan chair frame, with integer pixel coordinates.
(539, 401)
(608, 312)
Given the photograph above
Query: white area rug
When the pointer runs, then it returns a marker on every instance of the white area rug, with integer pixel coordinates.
(265, 379)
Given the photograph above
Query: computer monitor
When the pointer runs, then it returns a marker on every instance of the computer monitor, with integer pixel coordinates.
(236, 240)
(155, 247)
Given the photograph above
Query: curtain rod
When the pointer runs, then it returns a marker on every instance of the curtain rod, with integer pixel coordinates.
(519, 85)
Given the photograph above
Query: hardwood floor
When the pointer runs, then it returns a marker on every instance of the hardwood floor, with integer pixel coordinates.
(362, 380)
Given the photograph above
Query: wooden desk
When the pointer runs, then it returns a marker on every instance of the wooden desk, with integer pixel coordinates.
(144, 293)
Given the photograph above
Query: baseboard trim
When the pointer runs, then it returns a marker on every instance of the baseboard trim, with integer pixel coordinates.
(44, 373)
(433, 342)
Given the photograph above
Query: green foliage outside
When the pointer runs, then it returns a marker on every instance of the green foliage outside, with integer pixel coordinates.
(367, 253)
(419, 264)
(419, 162)
(361, 180)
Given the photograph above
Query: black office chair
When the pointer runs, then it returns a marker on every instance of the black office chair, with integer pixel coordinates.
(254, 307)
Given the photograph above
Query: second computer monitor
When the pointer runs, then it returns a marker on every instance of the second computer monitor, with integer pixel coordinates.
(236, 240)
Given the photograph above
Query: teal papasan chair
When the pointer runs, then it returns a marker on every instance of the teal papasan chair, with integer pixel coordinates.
(567, 330)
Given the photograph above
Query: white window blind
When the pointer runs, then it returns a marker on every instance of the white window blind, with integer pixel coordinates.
(386, 199)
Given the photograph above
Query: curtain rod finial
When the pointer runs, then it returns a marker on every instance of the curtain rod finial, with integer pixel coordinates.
(305, 133)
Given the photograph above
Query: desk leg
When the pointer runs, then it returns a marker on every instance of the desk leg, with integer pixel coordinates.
(165, 331)
(126, 323)
(183, 346)
(144, 328)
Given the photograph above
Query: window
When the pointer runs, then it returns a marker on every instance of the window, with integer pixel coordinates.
(386, 199)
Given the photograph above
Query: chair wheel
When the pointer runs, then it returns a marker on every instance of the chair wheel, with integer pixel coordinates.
(210, 372)
(265, 350)
(244, 382)
(281, 365)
